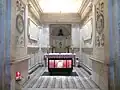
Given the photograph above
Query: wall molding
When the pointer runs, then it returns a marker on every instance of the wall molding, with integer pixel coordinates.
(35, 9)
(17, 60)
(58, 18)
(37, 6)
(33, 12)
(87, 11)
(98, 60)
(83, 5)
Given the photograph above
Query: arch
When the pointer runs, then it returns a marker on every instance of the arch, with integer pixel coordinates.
(55, 31)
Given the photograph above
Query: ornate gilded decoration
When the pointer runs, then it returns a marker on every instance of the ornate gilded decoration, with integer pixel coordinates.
(100, 24)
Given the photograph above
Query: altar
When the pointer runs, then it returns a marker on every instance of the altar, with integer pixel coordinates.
(60, 62)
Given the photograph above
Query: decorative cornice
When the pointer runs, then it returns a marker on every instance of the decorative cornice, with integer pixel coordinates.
(87, 10)
(86, 17)
(34, 7)
(37, 3)
(86, 7)
(82, 6)
(33, 10)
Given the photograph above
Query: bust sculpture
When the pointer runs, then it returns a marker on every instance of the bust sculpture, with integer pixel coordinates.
(60, 33)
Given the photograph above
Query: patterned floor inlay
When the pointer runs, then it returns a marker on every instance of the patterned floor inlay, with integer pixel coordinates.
(46, 82)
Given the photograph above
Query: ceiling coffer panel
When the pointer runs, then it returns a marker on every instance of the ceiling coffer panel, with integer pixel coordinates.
(60, 30)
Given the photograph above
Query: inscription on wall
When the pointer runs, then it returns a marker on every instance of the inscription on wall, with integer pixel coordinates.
(20, 22)
(100, 24)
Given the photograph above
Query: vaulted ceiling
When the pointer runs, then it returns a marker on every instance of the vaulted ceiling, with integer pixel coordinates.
(60, 6)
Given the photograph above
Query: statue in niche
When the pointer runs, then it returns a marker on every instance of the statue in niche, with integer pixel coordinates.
(60, 32)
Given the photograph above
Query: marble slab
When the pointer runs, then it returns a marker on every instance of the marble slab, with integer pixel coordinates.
(80, 82)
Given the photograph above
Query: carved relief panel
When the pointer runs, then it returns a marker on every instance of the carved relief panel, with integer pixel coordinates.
(60, 35)
(99, 42)
(20, 23)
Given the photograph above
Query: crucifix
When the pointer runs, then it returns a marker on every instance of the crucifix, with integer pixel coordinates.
(60, 44)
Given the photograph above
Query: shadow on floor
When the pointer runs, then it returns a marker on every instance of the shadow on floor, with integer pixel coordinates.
(60, 74)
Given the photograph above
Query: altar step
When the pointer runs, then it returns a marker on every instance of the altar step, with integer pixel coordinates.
(81, 82)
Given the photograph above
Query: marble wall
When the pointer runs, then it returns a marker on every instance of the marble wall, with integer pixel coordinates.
(75, 35)
(19, 55)
(101, 48)
(97, 59)
(85, 58)
(86, 39)
(20, 30)
(44, 36)
(34, 60)
(44, 42)
(35, 44)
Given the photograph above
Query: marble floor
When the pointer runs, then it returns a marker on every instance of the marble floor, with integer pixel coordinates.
(80, 82)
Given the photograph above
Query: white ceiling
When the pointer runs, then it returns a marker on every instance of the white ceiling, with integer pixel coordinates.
(57, 6)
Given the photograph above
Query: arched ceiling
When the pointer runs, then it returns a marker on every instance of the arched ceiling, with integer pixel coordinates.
(57, 6)
(55, 30)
